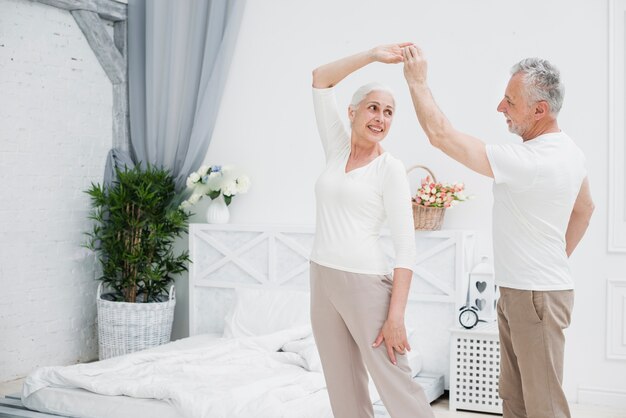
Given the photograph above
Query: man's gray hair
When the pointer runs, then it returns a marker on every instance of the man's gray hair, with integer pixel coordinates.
(542, 81)
(366, 89)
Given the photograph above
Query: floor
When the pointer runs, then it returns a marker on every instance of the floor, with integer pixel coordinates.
(9, 388)
(440, 407)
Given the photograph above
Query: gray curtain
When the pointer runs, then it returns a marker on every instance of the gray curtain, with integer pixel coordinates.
(116, 159)
(179, 54)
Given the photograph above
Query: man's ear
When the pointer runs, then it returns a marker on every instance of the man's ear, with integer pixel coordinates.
(541, 109)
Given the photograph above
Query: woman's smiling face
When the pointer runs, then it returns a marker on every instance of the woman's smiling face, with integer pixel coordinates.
(371, 119)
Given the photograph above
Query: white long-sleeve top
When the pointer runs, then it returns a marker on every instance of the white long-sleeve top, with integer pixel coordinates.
(351, 208)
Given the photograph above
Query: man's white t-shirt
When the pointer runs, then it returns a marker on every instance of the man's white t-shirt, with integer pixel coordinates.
(535, 186)
(351, 208)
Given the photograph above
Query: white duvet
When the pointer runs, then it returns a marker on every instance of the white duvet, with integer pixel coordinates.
(202, 377)
(274, 375)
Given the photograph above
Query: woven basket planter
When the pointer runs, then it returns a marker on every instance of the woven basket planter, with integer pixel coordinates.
(427, 218)
(128, 327)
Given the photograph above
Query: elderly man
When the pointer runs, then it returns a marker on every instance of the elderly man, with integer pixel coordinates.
(542, 207)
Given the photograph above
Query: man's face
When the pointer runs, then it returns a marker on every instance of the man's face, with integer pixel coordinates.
(516, 108)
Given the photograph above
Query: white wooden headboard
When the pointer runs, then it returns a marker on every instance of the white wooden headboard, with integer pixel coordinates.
(227, 257)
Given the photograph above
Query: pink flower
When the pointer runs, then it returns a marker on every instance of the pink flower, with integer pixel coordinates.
(440, 195)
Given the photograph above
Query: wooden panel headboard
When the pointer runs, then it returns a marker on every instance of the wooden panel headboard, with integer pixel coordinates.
(227, 257)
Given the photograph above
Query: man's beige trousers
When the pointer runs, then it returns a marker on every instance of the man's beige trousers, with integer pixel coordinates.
(532, 343)
(347, 312)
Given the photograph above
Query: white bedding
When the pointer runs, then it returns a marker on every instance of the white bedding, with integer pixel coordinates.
(241, 377)
(206, 377)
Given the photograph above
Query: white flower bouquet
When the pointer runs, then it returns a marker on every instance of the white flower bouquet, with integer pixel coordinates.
(215, 181)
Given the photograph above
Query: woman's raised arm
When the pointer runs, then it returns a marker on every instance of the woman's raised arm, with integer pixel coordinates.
(330, 74)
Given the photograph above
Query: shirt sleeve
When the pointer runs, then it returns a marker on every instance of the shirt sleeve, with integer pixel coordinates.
(332, 132)
(514, 165)
(397, 202)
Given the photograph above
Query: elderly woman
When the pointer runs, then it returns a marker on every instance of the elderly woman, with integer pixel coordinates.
(356, 302)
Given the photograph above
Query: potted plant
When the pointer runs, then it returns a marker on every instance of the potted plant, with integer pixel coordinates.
(136, 222)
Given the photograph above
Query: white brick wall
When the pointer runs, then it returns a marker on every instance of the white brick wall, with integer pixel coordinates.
(55, 131)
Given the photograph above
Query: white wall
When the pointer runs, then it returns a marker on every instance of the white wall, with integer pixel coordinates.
(55, 131)
(266, 124)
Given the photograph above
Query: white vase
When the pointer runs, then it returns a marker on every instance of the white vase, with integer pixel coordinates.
(217, 212)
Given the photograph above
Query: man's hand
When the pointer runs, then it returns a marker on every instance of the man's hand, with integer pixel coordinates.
(415, 65)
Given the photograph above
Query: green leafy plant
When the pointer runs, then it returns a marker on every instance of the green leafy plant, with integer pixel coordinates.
(136, 222)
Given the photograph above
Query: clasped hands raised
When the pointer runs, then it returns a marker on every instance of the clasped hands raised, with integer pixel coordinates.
(415, 65)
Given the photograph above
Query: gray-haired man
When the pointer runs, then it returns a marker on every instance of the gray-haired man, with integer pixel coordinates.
(542, 207)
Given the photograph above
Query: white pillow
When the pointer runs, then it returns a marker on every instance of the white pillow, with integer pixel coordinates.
(264, 311)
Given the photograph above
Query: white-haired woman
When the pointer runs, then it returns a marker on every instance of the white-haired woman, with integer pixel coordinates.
(358, 299)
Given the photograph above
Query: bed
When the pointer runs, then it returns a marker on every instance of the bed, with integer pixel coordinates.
(250, 352)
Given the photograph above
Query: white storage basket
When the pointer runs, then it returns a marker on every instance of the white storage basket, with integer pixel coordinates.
(128, 327)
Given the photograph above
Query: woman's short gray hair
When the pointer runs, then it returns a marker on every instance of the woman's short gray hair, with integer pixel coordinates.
(542, 81)
(366, 89)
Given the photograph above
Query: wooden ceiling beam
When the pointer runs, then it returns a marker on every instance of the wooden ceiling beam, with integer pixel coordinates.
(102, 44)
(106, 9)
(111, 52)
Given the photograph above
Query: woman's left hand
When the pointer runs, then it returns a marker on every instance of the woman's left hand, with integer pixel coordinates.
(389, 54)
(394, 336)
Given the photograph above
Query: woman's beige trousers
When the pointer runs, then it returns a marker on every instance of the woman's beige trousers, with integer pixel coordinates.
(347, 312)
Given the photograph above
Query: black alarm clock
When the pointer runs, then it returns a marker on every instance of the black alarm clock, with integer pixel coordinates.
(468, 318)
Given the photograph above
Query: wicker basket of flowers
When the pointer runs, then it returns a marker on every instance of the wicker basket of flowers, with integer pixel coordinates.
(432, 199)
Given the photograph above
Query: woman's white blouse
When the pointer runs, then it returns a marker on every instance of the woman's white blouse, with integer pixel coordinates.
(351, 208)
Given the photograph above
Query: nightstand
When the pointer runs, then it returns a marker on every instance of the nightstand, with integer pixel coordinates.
(475, 368)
